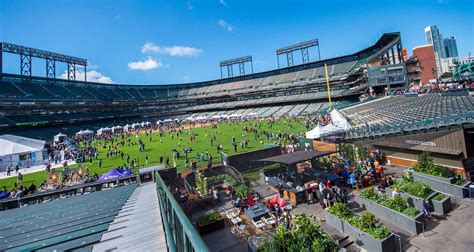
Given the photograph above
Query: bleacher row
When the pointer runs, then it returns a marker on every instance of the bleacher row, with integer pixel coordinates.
(269, 111)
(70, 224)
(41, 90)
(408, 112)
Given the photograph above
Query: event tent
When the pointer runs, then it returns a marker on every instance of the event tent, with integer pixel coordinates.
(14, 149)
(59, 137)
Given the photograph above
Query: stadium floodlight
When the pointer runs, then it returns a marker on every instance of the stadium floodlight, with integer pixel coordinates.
(302, 46)
(236, 61)
(26, 53)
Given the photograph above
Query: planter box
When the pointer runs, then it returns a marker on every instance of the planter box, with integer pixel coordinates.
(443, 185)
(442, 207)
(413, 201)
(413, 225)
(361, 238)
(210, 227)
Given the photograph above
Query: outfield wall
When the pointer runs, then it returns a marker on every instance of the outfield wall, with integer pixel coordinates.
(244, 162)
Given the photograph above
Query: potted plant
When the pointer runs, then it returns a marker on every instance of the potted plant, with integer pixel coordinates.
(210, 223)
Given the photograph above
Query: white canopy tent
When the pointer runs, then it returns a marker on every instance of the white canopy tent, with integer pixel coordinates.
(127, 127)
(59, 137)
(338, 124)
(200, 118)
(167, 120)
(216, 117)
(17, 149)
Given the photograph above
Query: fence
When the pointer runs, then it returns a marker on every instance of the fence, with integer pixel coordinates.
(180, 233)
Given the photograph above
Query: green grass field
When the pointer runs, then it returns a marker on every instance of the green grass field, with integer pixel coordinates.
(164, 145)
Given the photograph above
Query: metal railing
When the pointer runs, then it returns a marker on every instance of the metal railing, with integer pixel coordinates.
(180, 233)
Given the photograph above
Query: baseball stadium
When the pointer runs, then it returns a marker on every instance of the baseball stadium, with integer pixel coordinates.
(325, 154)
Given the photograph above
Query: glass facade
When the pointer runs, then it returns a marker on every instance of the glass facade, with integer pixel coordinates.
(450, 47)
(433, 37)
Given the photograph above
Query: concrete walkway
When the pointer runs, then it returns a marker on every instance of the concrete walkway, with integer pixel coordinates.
(33, 169)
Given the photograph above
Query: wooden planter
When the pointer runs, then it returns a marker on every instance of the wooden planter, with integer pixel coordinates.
(361, 238)
(210, 227)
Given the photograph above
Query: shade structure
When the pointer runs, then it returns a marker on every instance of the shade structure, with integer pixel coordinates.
(11, 144)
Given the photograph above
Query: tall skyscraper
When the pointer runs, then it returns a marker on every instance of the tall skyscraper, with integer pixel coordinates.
(433, 37)
(450, 47)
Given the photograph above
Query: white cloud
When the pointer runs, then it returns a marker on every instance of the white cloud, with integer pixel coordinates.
(145, 65)
(226, 26)
(223, 2)
(92, 76)
(171, 50)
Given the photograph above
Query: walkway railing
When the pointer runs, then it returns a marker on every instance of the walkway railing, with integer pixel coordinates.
(180, 233)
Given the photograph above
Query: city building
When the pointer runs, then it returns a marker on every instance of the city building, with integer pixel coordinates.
(433, 37)
(413, 71)
(450, 47)
(427, 62)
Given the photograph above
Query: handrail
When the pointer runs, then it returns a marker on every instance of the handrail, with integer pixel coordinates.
(168, 204)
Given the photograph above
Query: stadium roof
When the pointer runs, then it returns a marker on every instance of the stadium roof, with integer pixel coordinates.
(11, 145)
(74, 223)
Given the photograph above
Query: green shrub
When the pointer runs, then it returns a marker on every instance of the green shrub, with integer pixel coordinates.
(223, 177)
(426, 165)
(397, 203)
(208, 218)
(414, 188)
(439, 197)
(303, 235)
(366, 222)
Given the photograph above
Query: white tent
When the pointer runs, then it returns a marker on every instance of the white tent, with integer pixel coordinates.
(189, 119)
(314, 133)
(87, 132)
(253, 114)
(159, 122)
(215, 117)
(17, 149)
(199, 118)
(176, 120)
(59, 137)
(126, 127)
(167, 120)
(339, 120)
(235, 115)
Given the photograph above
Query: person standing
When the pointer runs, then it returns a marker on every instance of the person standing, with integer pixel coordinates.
(9, 169)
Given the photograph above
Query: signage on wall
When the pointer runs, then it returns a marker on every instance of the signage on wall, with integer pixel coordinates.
(432, 144)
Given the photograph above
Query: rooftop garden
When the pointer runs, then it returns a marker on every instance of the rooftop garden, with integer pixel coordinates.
(366, 222)
(397, 203)
(426, 165)
(304, 235)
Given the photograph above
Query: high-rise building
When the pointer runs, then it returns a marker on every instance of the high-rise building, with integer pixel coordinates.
(450, 47)
(427, 62)
(433, 37)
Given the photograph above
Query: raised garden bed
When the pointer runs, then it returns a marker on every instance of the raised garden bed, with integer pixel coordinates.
(413, 225)
(443, 184)
(210, 223)
(441, 203)
(412, 200)
(361, 238)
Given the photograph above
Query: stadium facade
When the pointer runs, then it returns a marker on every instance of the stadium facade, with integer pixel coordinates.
(26, 100)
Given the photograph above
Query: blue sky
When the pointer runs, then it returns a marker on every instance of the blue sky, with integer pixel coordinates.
(162, 42)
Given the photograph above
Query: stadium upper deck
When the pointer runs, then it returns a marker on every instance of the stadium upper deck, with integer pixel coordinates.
(305, 83)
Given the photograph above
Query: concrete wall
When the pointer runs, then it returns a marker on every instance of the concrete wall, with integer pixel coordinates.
(246, 161)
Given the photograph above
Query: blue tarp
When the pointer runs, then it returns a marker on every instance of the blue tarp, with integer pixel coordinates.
(4, 195)
(114, 174)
